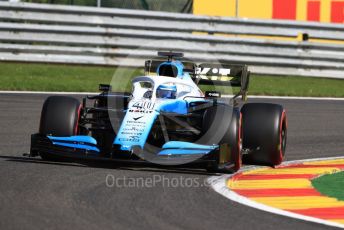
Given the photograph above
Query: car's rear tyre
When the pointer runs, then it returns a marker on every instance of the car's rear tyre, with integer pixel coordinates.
(222, 125)
(59, 117)
(264, 133)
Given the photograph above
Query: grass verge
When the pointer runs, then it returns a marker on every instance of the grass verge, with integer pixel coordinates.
(330, 185)
(48, 77)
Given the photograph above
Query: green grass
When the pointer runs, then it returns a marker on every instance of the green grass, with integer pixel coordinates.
(331, 185)
(43, 77)
(296, 86)
(48, 77)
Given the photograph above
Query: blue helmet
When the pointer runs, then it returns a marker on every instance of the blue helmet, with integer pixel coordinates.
(166, 91)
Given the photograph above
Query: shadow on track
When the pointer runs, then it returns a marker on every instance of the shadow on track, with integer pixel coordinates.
(145, 167)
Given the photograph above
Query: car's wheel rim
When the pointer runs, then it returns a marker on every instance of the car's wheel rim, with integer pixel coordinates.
(284, 140)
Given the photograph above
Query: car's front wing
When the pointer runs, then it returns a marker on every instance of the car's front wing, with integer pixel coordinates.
(83, 150)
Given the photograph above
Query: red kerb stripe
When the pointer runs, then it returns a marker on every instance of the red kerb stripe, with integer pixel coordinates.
(275, 176)
(277, 192)
(323, 213)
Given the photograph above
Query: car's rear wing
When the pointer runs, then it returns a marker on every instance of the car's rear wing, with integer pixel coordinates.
(222, 74)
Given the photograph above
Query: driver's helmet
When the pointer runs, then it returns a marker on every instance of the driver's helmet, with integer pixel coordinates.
(166, 91)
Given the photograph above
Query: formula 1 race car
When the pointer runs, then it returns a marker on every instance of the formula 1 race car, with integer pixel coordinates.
(167, 120)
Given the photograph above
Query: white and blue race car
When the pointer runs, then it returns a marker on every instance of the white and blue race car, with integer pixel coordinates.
(167, 120)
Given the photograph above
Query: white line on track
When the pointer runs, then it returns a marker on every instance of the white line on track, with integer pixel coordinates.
(249, 96)
(219, 184)
(299, 98)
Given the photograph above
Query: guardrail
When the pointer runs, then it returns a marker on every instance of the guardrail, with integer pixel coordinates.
(97, 36)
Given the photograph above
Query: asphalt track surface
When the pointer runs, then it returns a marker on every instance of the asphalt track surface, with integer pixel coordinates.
(35, 194)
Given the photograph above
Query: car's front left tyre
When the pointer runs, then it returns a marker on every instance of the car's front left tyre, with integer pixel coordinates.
(222, 124)
(59, 117)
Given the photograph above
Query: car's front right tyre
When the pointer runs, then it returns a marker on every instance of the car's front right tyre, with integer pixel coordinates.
(264, 133)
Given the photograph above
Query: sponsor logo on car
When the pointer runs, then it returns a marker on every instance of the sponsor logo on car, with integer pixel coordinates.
(137, 118)
(140, 111)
